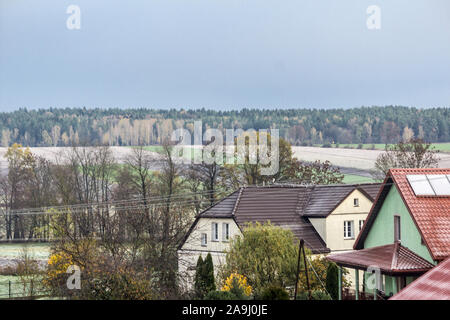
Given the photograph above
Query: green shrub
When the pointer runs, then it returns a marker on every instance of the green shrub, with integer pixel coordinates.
(220, 295)
(302, 295)
(315, 295)
(320, 295)
(274, 293)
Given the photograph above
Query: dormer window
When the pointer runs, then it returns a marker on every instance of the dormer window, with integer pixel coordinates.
(356, 202)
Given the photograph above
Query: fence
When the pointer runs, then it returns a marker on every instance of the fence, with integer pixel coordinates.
(17, 289)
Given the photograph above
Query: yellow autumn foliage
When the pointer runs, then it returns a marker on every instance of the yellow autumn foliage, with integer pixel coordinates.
(240, 280)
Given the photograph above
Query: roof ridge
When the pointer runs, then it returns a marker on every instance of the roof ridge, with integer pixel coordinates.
(306, 204)
(237, 200)
(397, 246)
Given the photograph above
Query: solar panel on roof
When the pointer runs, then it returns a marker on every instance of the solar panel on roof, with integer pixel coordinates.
(420, 184)
(440, 184)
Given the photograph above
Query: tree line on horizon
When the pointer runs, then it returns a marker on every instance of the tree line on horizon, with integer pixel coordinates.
(130, 127)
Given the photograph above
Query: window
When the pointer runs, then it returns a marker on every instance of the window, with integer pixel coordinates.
(225, 231)
(361, 223)
(214, 231)
(348, 230)
(397, 229)
(204, 239)
(356, 202)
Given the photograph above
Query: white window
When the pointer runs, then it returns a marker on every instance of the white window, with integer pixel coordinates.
(348, 230)
(361, 223)
(225, 231)
(356, 202)
(204, 239)
(214, 231)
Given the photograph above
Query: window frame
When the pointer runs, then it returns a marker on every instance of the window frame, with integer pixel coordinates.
(225, 231)
(361, 224)
(214, 231)
(349, 225)
(204, 236)
(356, 202)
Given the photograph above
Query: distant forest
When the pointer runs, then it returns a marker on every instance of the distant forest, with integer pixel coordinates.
(125, 127)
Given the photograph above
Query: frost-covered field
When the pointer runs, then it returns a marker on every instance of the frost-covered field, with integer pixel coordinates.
(348, 158)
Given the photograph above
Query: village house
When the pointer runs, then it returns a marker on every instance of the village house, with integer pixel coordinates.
(405, 234)
(327, 217)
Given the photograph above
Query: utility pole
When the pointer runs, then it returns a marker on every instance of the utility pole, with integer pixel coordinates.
(301, 248)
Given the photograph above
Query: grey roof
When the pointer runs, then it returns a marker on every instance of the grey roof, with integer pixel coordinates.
(223, 208)
(287, 206)
(324, 199)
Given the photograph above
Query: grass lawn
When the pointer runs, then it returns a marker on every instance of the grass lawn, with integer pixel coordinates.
(353, 178)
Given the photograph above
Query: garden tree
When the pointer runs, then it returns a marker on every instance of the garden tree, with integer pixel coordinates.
(208, 273)
(411, 154)
(205, 177)
(85, 175)
(316, 173)
(20, 163)
(169, 221)
(265, 254)
(332, 280)
(248, 173)
(138, 166)
(196, 188)
(199, 286)
(104, 276)
(204, 281)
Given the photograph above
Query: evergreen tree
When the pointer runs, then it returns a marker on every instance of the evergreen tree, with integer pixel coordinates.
(208, 274)
(198, 280)
(204, 281)
(332, 284)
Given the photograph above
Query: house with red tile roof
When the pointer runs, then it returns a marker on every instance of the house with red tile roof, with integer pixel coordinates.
(406, 233)
(433, 285)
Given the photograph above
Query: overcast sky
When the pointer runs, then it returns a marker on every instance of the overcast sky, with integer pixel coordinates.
(224, 54)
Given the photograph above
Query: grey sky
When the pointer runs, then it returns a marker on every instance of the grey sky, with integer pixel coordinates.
(224, 54)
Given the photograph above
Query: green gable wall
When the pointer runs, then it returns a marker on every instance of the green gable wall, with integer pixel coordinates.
(382, 230)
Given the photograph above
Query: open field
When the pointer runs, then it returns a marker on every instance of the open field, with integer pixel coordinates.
(39, 251)
(358, 159)
(351, 158)
(441, 147)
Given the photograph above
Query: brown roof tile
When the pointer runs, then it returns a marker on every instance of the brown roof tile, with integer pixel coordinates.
(287, 206)
(392, 259)
(433, 285)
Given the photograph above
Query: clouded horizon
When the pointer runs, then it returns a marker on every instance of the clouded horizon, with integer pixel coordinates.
(224, 54)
